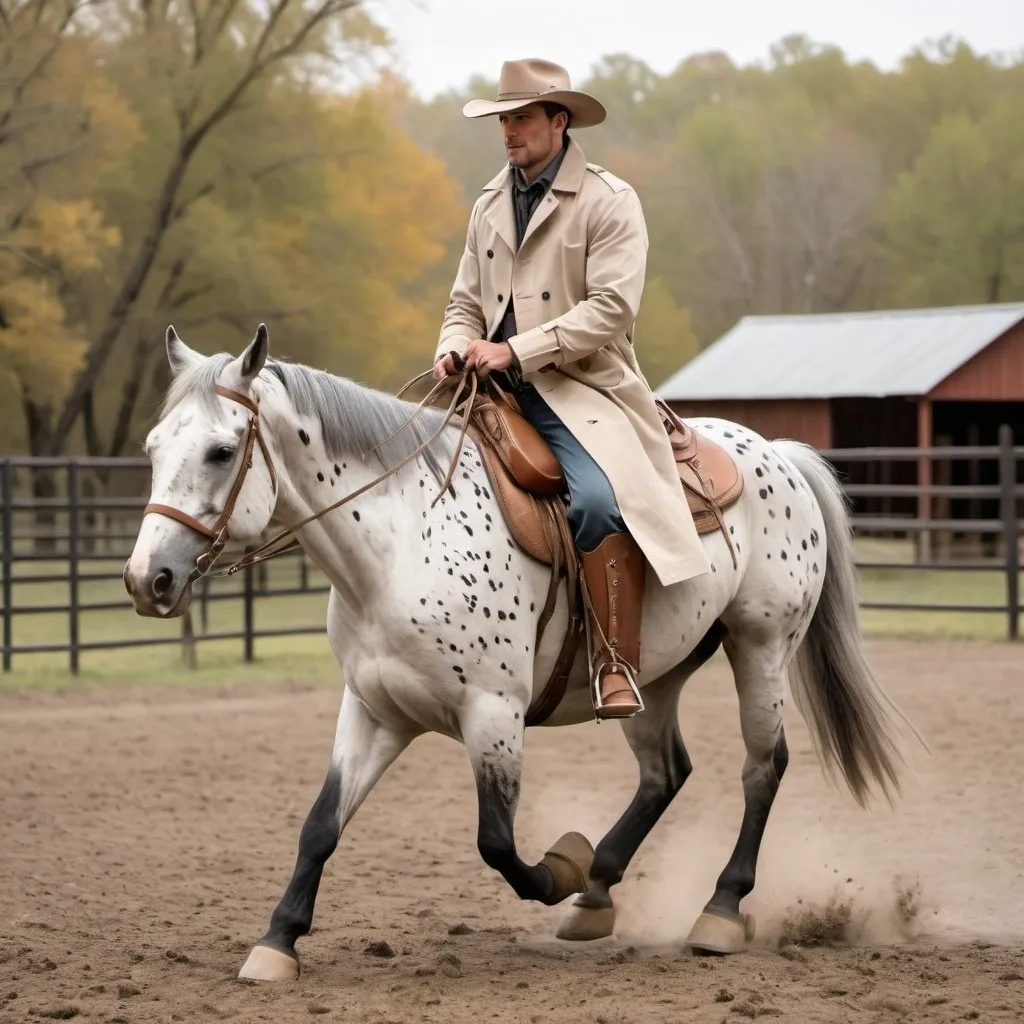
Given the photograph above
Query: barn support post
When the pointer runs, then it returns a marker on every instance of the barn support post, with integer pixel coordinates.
(1011, 532)
(924, 479)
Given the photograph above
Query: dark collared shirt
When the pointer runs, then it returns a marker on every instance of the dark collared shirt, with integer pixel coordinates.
(525, 200)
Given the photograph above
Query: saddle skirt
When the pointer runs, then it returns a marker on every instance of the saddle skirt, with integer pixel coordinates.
(525, 473)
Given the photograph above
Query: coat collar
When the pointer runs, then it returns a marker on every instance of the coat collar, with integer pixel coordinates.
(568, 179)
(501, 214)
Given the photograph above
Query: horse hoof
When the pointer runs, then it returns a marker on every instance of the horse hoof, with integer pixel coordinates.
(266, 964)
(569, 862)
(583, 924)
(715, 932)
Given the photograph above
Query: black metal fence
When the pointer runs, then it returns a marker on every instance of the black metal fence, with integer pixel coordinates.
(958, 524)
(68, 525)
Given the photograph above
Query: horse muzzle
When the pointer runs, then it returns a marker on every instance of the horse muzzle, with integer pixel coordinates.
(161, 592)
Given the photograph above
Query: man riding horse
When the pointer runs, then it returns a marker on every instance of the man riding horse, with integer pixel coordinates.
(545, 301)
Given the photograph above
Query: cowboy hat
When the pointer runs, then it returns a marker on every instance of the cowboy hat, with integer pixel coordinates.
(532, 80)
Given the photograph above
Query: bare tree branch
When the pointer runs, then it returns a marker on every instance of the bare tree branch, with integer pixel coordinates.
(183, 207)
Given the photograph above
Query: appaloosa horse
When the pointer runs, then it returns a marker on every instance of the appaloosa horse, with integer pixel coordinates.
(433, 619)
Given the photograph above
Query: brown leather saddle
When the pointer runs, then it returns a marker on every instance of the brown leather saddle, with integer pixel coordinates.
(529, 486)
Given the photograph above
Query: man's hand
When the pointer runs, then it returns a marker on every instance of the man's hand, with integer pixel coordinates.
(448, 365)
(444, 367)
(488, 357)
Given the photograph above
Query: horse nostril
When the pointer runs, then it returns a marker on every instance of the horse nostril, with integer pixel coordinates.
(162, 582)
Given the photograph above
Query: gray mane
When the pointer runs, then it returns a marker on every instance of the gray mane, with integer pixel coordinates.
(353, 419)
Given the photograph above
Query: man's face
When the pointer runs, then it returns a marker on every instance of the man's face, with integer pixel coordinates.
(531, 138)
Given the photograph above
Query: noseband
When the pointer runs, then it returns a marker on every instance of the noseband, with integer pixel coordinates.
(218, 533)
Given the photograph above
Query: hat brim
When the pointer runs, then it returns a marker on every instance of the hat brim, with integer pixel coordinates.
(585, 109)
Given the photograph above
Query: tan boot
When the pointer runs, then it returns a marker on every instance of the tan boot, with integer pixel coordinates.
(614, 577)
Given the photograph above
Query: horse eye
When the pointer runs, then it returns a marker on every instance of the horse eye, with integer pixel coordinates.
(222, 453)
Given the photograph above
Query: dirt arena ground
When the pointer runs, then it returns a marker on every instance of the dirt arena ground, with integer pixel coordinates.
(147, 836)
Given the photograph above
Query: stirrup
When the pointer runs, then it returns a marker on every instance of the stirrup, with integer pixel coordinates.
(600, 708)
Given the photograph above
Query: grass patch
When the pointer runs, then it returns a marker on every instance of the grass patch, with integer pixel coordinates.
(299, 659)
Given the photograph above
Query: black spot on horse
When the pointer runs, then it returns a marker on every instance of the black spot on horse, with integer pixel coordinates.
(337, 472)
(789, 512)
(320, 477)
(355, 516)
(789, 480)
(303, 436)
(763, 493)
(784, 556)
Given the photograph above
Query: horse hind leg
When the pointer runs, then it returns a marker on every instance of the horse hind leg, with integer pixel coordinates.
(760, 685)
(656, 742)
(363, 750)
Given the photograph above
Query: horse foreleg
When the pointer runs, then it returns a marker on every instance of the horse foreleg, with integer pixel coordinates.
(363, 749)
(492, 731)
(761, 690)
(655, 739)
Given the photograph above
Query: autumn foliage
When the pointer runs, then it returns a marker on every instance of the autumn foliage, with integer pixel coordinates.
(214, 163)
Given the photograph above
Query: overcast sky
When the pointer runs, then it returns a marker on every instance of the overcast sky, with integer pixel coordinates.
(440, 43)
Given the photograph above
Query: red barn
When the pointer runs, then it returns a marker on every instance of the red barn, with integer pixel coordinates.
(893, 378)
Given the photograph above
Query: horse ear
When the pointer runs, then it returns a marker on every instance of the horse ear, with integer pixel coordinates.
(255, 355)
(179, 355)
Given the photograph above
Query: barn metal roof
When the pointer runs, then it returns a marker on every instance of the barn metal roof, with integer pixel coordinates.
(840, 355)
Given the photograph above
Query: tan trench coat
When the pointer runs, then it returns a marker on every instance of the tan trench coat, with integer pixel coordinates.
(577, 281)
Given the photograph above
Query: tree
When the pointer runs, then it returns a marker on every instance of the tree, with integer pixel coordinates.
(60, 125)
(954, 223)
(206, 61)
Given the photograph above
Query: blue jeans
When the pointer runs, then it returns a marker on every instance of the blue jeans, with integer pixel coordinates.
(593, 512)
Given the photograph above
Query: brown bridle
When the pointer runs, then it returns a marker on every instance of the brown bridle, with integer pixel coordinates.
(466, 383)
(218, 533)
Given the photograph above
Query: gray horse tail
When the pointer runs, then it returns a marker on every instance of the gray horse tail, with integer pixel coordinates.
(846, 710)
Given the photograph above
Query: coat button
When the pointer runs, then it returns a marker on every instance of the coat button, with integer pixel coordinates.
(545, 295)
(490, 254)
(501, 298)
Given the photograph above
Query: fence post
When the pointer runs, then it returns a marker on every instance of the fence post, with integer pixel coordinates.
(248, 594)
(1011, 535)
(73, 567)
(8, 559)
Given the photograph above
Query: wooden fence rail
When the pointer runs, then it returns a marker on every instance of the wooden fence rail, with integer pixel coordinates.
(71, 522)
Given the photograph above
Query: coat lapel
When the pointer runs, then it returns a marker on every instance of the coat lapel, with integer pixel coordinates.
(568, 179)
(499, 213)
